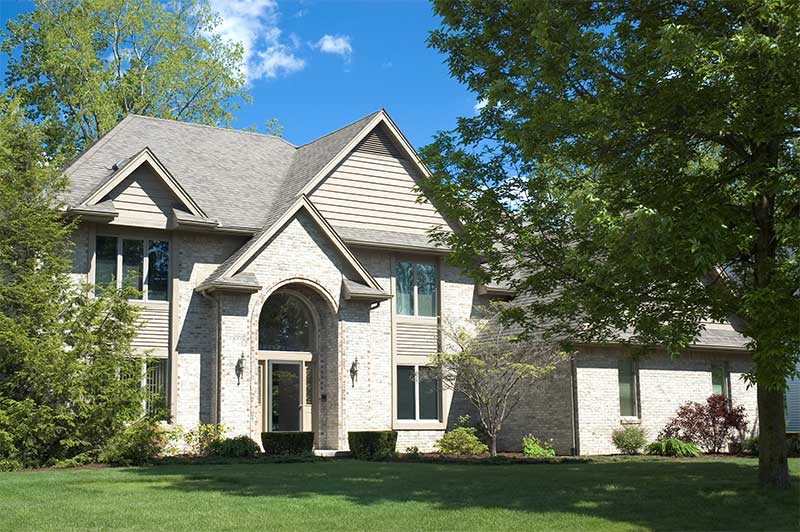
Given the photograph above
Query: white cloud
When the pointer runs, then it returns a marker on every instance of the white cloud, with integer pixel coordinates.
(254, 23)
(480, 104)
(335, 44)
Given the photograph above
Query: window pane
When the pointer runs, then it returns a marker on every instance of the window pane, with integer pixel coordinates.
(426, 289)
(284, 325)
(285, 397)
(156, 386)
(428, 393)
(627, 388)
(717, 380)
(132, 259)
(158, 270)
(404, 280)
(406, 404)
(105, 264)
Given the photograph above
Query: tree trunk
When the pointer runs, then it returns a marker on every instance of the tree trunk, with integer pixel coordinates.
(773, 468)
(493, 449)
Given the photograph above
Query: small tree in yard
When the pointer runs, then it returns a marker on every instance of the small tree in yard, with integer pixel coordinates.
(493, 367)
(710, 425)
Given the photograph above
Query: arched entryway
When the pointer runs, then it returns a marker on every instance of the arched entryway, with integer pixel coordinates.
(294, 328)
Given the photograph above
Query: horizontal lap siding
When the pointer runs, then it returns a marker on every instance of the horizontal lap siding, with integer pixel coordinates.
(374, 189)
(142, 200)
(416, 338)
(153, 328)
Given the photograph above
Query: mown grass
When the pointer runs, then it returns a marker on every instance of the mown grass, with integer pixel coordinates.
(630, 494)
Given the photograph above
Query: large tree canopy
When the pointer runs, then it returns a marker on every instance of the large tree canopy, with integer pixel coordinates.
(84, 64)
(634, 169)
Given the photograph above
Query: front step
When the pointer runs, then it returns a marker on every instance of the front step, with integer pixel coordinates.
(331, 453)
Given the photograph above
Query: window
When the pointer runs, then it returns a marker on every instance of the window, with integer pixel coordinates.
(720, 379)
(137, 263)
(417, 393)
(157, 373)
(628, 384)
(416, 288)
(284, 324)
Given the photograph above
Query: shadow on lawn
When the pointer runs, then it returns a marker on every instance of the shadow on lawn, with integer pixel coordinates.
(697, 495)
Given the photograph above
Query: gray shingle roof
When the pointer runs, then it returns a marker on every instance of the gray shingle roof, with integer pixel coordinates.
(236, 177)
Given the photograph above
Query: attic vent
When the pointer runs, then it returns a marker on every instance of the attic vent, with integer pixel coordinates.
(379, 142)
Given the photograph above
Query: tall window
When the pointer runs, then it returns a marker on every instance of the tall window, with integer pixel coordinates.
(418, 395)
(416, 288)
(284, 324)
(157, 373)
(628, 388)
(138, 263)
(720, 379)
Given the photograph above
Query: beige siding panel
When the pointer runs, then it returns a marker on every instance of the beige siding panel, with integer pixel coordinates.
(153, 327)
(420, 339)
(374, 189)
(142, 200)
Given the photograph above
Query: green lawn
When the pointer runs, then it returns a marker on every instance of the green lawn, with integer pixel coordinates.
(349, 495)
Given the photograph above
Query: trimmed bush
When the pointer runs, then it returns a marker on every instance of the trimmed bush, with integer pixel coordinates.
(237, 447)
(629, 440)
(462, 441)
(138, 444)
(276, 443)
(711, 426)
(372, 444)
(672, 447)
(534, 448)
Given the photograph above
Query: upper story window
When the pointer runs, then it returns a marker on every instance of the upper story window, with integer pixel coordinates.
(416, 288)
(284, 324)
(140, 263)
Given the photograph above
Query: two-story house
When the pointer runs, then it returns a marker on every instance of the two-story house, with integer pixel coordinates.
(294, 288)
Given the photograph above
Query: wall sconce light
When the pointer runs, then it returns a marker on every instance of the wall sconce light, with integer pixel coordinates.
(354, 371)
(239, 369)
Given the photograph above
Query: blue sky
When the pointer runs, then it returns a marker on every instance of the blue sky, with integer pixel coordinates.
(317, 65)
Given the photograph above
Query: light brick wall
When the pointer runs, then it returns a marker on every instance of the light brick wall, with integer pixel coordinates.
(664, 385)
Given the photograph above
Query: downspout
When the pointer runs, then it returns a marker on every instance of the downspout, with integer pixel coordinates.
(575, 451)
(216, 411)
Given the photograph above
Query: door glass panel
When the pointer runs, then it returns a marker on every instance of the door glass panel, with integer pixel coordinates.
(406, 404)
(285, 397)
(309, 384)
(404, 280)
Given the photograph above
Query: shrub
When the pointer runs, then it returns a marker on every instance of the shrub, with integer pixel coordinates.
(750, 445)
(237, 447)
(372, 445)
(413, 452)
(533, 447)
(138, 444)
(629, 440)
(672, 447)
(287, 442)
(709, 426)
(200, 439)
(461, 441)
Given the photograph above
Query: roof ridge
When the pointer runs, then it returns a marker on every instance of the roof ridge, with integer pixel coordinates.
(227, 129)
(373, 113)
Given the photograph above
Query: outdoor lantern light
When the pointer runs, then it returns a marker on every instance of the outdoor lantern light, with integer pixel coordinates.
(239, 369)
(354, 371)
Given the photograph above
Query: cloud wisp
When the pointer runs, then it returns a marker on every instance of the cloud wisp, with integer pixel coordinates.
(335, 44)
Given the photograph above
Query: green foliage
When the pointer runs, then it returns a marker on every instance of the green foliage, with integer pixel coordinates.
(629, 440)
(201, 439)
(64, 355)
(413, 452)
(750, 445)
(86, 64)
(236, 447)
(672, 447)
(276, 443)
(533, 447)
(137, 444)
(372, 445)
(462, 440)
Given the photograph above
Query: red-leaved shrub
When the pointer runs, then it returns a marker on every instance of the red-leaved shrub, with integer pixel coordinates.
(710, 425)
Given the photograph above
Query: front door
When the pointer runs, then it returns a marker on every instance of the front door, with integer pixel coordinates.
(285, 401)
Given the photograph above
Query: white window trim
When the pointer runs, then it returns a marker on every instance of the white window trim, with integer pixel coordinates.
(145, 264)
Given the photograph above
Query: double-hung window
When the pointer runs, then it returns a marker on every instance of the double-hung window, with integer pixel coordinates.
(628, 388)
(418, 393)
(416, 288)
(142, 264)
